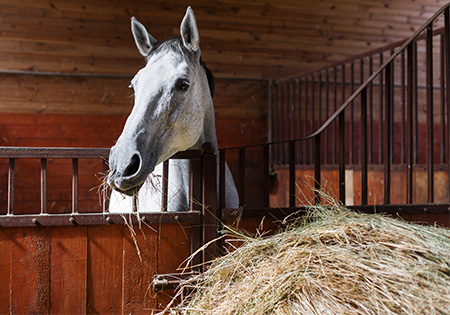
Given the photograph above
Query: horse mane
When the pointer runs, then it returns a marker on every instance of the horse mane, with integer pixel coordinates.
(175, 44)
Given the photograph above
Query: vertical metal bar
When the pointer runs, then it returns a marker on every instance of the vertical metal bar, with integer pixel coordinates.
(447, 83)
(105, 191)
(392, 110)
(342, 157)
(165, 186)
(222, 161)
(75, 186)
(43, 186)
(266, 200)
(352, 114)
(387, 134)
(305, 143)
(410, 130)
(371, 113)
(317, 164)
(270, 113)
(313, 116)
(416, 107)
(442, 103)
(403, 120)
(283, 124)
(300, 156)
(277, 122)
(342, 102)
(363, 139)
(335, 140)
(430, 119)
(195, 184)
(241, 177)
(11, 184)
(209, 211)
(327, 107)
(381, 128)
(292, 174)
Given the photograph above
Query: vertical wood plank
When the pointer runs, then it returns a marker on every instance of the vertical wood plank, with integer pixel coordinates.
(104, 269)
(68, 270)
(139, 266)
(30, 271)
(173, 250)
(5, 270)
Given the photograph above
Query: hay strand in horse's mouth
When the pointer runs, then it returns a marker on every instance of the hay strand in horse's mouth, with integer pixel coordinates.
(333, 261)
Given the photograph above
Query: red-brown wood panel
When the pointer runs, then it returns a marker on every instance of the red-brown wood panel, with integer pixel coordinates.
(139, 266)
(30, 271)
(68, 270)
(104, 273)
(5, 270)
(173, 250)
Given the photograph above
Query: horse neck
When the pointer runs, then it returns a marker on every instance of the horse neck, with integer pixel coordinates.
(208, 137)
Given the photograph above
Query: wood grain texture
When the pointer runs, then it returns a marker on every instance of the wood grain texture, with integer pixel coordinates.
(243, 39)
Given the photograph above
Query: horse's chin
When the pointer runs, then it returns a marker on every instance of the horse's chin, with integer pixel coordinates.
(130, 192)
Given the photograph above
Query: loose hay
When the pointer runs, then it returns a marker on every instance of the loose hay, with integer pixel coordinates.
(334, 262)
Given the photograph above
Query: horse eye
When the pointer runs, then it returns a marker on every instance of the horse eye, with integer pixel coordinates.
(183, 86)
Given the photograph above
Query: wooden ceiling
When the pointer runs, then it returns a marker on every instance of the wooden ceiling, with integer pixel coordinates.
(239, 39)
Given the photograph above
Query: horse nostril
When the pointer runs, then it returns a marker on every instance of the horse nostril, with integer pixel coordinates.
(133, 167)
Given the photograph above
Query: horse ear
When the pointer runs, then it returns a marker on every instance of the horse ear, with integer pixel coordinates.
(189, 31)
(144, 41)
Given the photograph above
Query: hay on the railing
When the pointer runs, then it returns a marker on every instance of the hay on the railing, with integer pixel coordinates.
(334, 262)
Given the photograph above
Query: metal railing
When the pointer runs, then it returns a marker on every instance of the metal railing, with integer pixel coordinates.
(301, 136)
(200, 193)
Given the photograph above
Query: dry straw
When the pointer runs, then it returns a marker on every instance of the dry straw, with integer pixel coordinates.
(332, 262)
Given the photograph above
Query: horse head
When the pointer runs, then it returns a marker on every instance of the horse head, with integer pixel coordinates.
(172, 109)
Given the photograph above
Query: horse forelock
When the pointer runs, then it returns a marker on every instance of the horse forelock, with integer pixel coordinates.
(175, 44)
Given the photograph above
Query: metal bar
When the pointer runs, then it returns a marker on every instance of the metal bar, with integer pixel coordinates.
(60, 153)
(342, 157)
(343, 101)
(352, 114)
(297, 116)
(335, 140)
(442, 99)
(209, 210)
(313, 115)
(305, 143)
(34, 220)
(327, 107)
(410, 122)
(363, 139)
(222, 163)
(403, 95)
(317, 164)
(416, 107)
(266, 179)
(75, 180)
(447, 83)
(241, 176)
(381, 127)
(392, 110)
(430, 120)
(105, 190)
(387, 134)
(371, 159)
(11, 185)
(292, 174)
(165, 186)
(43, 186)
(270, 111)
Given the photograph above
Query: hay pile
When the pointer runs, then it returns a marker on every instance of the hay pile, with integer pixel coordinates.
(334, 262)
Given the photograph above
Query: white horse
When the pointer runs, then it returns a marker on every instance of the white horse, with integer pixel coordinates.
(173, 111)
